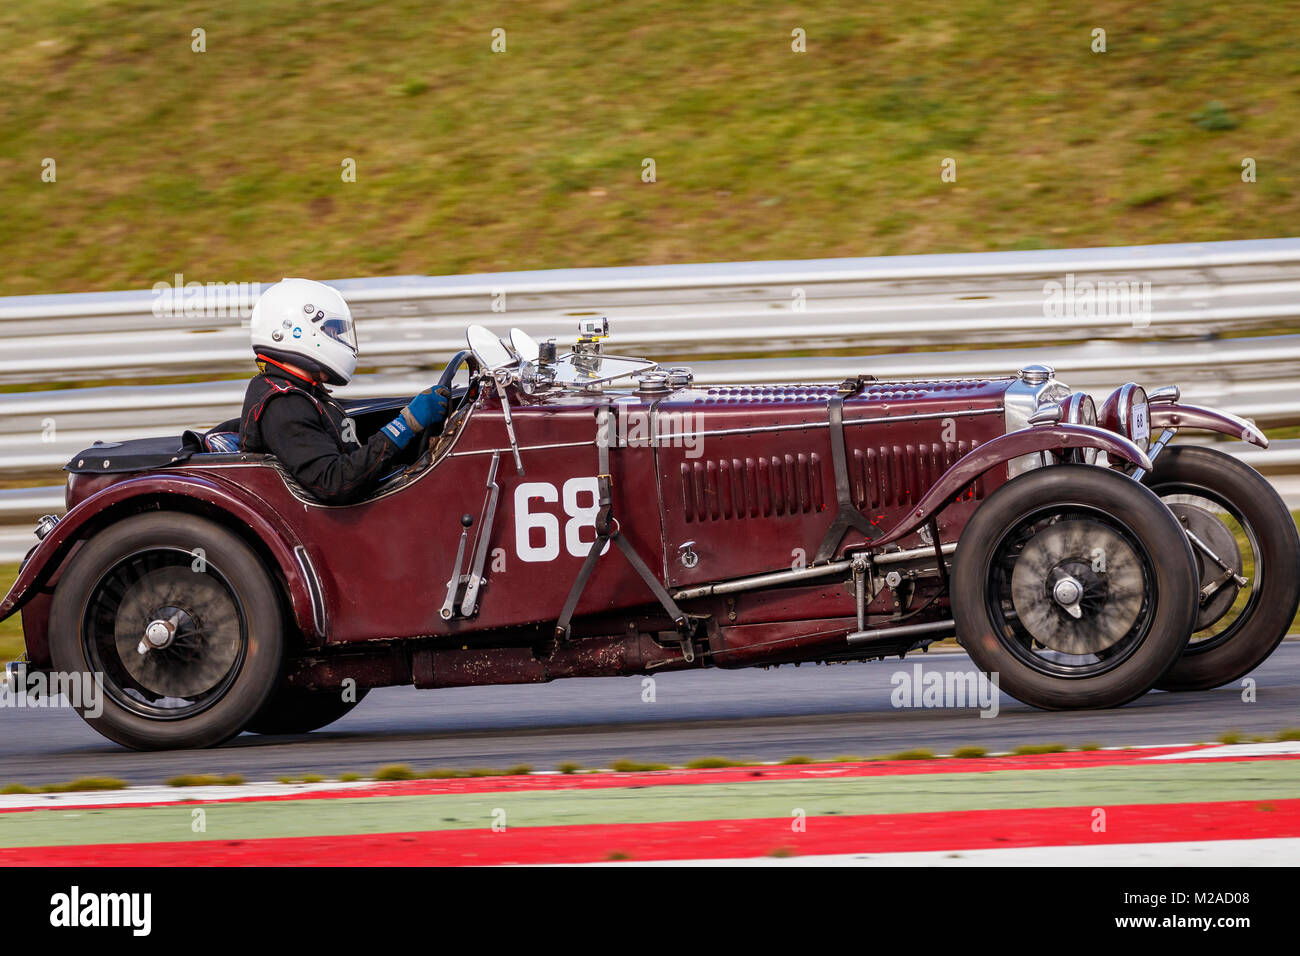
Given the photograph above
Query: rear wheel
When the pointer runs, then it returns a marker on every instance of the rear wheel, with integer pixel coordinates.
(296, 710)
(176, 619)
(1076, 586)
(1236, 515)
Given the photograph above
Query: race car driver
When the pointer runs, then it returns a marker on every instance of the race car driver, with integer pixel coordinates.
(303, 338)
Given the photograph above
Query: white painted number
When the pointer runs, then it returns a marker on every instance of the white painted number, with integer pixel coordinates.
(527, 522)
(578, 498)
(580, 516)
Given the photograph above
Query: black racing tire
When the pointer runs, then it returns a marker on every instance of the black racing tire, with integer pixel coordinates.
(297, 710)
(224, 651)
(1263, 622)
(1082, 506)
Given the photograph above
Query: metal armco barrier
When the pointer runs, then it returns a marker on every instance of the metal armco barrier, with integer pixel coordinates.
(1203, 318)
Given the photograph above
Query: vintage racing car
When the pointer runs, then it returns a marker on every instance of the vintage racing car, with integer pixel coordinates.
(586, 514)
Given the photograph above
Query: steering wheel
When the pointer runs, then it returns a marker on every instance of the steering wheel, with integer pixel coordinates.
(458, 361)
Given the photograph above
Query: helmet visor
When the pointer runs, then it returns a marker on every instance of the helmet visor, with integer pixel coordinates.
(339, 328)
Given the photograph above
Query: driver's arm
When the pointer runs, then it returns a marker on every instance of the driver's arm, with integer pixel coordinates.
(294, 432)
(292, 428)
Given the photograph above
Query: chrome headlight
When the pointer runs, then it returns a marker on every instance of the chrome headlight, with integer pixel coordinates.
(1080, 409)
(1127, 412)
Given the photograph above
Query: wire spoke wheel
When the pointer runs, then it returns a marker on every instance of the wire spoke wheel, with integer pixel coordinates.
(1070, 592)
(168, 638)
(179, 621)
(1246, 552)
(1075, 586)
(1225, 605)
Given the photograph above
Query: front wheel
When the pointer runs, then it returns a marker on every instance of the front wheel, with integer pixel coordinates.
(1248, 556)
(177, 622)
(1076, 586)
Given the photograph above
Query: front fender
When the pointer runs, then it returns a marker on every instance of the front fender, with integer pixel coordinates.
(1208, 419)
(997, 451)
(92, 514)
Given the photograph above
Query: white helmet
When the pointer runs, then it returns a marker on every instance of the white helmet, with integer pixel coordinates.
(309, 325)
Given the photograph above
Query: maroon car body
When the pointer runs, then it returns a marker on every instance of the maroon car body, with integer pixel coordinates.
(752, 504)
(727, 494)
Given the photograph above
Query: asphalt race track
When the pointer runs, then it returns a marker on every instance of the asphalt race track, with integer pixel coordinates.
(820, 712)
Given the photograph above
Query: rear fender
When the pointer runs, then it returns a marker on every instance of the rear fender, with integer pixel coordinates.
(184, 492)
(999, 451)
(1206, 419)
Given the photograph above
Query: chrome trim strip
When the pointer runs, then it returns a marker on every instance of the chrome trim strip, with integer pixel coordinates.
(960, 413)
(313, 588)
(522, 448)
(761, 429)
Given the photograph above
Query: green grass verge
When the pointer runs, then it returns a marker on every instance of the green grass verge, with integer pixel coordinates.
(635, 766)
(1033, 749)
(81, 783)
(205, 780)
(11, 629)
(713, 763)
(918, 754)
(303, 778)
(469, 160)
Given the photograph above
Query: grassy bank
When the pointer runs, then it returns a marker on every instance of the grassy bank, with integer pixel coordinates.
(11, 629)
(226, 164)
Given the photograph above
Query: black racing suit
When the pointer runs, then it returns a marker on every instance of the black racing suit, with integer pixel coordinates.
(301, 425)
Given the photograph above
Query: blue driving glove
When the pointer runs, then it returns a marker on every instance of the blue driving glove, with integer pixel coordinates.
(425, 409)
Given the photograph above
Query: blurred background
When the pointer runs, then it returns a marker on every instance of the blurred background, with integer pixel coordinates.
(211, 140)
(226, 164)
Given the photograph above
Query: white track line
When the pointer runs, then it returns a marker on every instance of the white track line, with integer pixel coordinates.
(1267, 852)
(162, 794)
(1230, 751)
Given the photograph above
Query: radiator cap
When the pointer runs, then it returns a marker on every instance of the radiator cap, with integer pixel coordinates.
(1036, 374)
